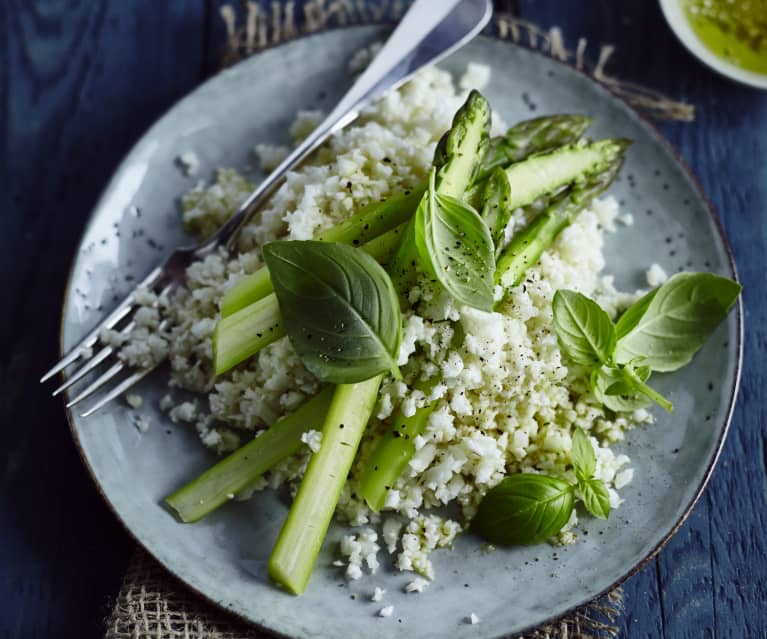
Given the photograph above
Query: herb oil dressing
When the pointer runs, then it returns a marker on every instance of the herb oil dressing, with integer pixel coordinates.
(735, 30)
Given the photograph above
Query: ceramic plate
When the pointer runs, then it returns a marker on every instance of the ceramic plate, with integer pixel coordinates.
(223, 557)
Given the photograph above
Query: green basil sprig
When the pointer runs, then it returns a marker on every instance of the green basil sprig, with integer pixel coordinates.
(593, 491)
(604, 384)
(661, 332)
(339, 307)
(455, 246)
(527, 508)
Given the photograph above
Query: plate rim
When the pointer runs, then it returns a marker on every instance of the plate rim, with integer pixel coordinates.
(657, 137)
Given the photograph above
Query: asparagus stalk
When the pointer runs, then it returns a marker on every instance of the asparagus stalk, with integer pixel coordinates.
(457, 159)
(239, 470)
(392, 453)
(383, 248)
(241, 335)
(548, 173)
(246, 291)
(538, 135)
(527, 246)
(520, 141)
(461, 149)
(301, 537)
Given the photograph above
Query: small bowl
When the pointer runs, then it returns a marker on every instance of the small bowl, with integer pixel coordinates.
(680, 25)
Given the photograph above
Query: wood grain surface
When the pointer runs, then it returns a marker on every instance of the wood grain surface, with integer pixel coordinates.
(79, 83)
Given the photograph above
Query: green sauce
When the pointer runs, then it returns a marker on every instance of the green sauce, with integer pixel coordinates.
(735, 30)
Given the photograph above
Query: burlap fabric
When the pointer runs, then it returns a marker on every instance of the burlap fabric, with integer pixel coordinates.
(151, 603)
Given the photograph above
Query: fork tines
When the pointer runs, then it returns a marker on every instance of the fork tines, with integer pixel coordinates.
(120, 319)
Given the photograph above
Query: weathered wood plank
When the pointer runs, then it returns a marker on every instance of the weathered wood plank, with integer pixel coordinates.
(79, 82)
(684, 577)
(642, 611)
(726, 152)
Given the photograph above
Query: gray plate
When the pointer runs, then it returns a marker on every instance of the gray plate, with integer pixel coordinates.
(224, 556)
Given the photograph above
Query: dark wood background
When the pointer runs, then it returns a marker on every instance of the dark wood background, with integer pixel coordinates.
(80, 80)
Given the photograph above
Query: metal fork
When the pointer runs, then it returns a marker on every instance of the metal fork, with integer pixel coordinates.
(428, 32)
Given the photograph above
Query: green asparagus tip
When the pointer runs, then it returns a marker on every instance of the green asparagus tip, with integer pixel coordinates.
(471, 122)
(548, 130)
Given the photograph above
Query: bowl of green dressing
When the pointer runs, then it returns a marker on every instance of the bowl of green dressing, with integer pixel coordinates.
(730, 36)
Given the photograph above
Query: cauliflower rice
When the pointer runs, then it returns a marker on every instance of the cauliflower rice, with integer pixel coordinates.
(506, 402)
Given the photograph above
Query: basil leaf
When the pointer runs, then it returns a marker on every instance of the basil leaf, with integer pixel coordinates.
(584, 330)
(455, 246)
(524, 509)
(339, 308)
(605, 378)
(582, 455)
(633, 314)
(680, 316)
(595, 497)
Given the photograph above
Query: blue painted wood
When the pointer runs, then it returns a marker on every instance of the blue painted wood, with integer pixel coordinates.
(80, 81)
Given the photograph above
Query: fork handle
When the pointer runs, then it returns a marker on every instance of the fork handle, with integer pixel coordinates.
(429, 31)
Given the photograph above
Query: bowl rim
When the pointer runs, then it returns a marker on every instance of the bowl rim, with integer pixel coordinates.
(677, 21)
(657, 136)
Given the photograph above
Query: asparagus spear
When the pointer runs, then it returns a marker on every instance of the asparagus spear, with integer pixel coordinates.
(246, 291)
(244, 333)
(239, 470)
(527, 246)
(457, 159)
(549, 172)
(461, 149)
(293, 557)
(538, 135)
(391, 454)
(301, 537)
(520, 141)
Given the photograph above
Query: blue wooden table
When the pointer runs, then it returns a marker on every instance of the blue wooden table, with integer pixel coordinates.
(80, 80)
